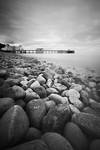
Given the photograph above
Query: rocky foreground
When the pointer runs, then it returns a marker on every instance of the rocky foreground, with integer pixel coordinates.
(44, 107)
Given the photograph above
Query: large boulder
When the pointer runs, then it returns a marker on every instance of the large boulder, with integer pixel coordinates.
(56, 142)
(32, 145)
(89, 123)
(56, 118)
(13, 126)
(36, 110)
(75, 136)
(5, 104)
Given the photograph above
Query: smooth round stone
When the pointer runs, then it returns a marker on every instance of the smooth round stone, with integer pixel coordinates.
(77, 87)
(16, 92)
(73, 93)
(13, 126)
(74, 109)
(41, 91)
(41, 79)
(57, 98)
(84, 97)
(32, 134)
(32, 145)
(76, 102)
(5, 104)
(95, 145)
(51, 91)
(75, 136)
(89, 123)
(30, 95)
(49, 104)
(36, 110)
(56, 142)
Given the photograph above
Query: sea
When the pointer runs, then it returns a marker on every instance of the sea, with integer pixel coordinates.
(85, 60)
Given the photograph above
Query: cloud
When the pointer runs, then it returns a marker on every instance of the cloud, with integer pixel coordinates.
(48, 23)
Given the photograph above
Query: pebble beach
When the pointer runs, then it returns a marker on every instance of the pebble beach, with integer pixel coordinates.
(47, 107)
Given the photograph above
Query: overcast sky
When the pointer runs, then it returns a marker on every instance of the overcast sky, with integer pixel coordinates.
(51, 23)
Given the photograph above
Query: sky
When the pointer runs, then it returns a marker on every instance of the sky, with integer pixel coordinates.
(52, 24)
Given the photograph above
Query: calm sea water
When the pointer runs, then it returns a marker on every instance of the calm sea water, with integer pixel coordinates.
(84, 60)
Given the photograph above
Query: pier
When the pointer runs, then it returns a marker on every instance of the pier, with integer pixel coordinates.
(44, 51)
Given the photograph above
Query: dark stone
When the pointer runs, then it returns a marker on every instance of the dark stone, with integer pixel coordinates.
(3, 73)
(95, 145)
(32, 145)
(56, 142)
(30, 95)
(1, 81)
(36, 110)
(21, 103)
(12, 82)
(16, 92)
(5, 104)
(84, 97)
(49, 104)
(66, 82)
(56, 117)
(32, 134)
(89, 123)
(13, 126)
(75, 136)
(41, 91)
(91, 111)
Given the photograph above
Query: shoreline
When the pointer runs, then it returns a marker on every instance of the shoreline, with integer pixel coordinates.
(40, 100)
